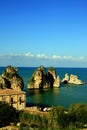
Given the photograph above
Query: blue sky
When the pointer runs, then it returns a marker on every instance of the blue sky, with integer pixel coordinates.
(43, 32)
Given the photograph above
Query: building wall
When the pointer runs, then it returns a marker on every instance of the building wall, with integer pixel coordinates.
(16, 100)
(21, 101)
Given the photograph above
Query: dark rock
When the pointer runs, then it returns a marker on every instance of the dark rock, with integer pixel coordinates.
(65, 82)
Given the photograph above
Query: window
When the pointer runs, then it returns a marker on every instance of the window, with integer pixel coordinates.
(4, 99)
(11, 100)
(20, 101)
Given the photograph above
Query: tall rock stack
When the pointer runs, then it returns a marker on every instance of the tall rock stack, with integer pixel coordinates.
(11, 79)
(53, 78)
(40, 79)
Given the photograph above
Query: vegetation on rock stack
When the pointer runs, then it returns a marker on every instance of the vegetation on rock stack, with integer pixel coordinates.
(41, 79)
(11, 79)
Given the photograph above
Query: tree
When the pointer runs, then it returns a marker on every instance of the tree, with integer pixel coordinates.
(7, 114)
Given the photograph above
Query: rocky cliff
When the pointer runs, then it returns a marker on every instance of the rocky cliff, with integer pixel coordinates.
(11, 79)
(42, 79)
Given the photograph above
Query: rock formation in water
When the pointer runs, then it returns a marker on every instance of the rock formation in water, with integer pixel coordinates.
(57, 82)
(72, 79)
(41, 79)
(65, 79)
(11, 79)
(54, 80)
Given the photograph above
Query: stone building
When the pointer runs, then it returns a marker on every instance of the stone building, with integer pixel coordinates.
(15, 98)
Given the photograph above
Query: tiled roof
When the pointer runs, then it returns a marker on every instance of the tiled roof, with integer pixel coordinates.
(10, 92)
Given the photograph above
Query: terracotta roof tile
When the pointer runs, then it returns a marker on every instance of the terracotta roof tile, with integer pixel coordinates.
(10, 92)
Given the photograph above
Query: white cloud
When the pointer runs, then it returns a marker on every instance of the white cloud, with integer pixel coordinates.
(71, 58)
(38, 59)
(81, 58)
(41, 56)
(29, 54)
(56, 57)
(68, 57)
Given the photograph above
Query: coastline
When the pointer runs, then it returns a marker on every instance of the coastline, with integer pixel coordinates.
(66, 95)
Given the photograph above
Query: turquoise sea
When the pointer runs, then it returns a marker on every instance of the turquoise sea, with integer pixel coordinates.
(65, 95)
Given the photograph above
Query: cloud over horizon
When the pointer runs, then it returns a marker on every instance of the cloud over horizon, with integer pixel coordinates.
(30, 59)
(55, 57)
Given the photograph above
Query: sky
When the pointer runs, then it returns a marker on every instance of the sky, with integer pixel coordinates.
(43, 32)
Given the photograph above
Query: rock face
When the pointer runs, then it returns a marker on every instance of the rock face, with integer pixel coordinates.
(10, 79)
(65, 79)
(41, 79)
(57, 82)
(72, 79)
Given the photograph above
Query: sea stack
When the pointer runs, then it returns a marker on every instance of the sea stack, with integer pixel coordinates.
(40, 79)
(11, 79)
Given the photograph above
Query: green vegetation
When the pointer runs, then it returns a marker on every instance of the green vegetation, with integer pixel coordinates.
(57, 119)
(51, 69)
(33, 120)
(8, 114)
(78, 114)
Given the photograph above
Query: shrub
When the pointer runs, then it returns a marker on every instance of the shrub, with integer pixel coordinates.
(59, 116)
(33, 120)
(78, 114)
(7, 114)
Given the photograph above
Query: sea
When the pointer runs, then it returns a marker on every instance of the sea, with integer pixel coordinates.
(65, 95)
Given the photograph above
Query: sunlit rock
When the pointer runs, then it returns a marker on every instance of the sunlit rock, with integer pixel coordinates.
(57, 82)
(72, 79)
(11, 79)
(40, 79)
(65, 79)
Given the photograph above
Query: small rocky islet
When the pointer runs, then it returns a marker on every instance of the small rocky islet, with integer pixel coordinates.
(72, 79)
